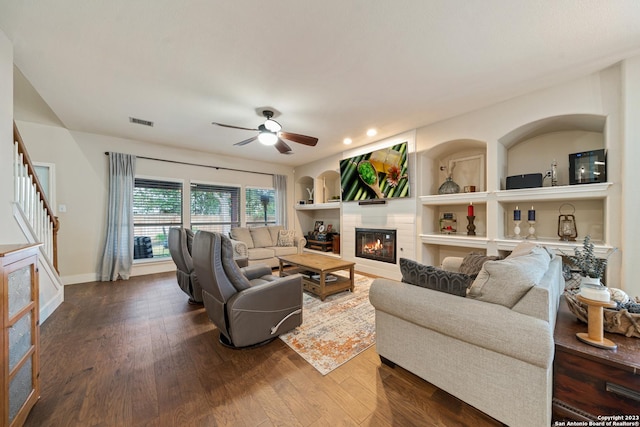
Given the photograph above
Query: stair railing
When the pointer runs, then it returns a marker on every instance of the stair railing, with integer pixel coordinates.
(31, 198)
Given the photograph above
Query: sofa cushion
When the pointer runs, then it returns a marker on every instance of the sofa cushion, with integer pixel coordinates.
(472, 263)
(284, 250)
(506, 281)
(242, 234)
(286, 238)
(261, 237)
(434, 278)
(261, 253)
(274, 231)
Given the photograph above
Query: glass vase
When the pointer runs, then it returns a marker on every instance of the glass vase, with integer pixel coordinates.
(449, 187)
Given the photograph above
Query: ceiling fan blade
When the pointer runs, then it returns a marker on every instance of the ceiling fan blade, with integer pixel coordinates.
(282, 147)
(231, 126)
(300, 139)
(246, 141)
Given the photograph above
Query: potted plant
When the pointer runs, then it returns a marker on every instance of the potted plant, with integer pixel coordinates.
(587, 263)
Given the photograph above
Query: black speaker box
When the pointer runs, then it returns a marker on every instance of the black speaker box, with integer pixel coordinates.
(529, 180)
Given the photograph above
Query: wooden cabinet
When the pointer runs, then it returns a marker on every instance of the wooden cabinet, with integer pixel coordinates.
(20, 332)
(588, 381)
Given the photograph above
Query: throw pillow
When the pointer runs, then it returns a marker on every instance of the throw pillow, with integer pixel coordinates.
(430, 277)
(261, 237)
(472, 263)
(242, 234)
(286, 237)
(506, 281)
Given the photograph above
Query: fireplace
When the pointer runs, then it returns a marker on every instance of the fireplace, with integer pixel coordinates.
(376, 244)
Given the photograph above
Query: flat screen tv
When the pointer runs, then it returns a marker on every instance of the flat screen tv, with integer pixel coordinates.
(380, 174)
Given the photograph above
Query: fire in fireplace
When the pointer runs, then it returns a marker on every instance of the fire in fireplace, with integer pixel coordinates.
(377, 244)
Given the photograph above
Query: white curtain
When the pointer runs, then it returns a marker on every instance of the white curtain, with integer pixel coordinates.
(117, 257)
(280, 185)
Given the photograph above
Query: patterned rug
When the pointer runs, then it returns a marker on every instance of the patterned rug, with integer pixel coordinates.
(335, 330)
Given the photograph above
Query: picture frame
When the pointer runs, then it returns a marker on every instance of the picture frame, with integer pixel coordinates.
(469, 171)
(329, 228)
(317, 226)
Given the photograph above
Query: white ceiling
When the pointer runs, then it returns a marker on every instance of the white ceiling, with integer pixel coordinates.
(332, 68)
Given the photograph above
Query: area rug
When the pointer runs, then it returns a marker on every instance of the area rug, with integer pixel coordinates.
(335, 330)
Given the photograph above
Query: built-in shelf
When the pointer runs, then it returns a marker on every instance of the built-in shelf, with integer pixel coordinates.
(562, 192)
(455, 199)
(460, 240)
(559, 246)
(318, 206)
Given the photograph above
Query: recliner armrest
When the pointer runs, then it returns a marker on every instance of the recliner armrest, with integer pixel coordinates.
(255, 271)
(281, 294)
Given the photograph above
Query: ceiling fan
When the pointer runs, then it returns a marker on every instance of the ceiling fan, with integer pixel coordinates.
(270, 133)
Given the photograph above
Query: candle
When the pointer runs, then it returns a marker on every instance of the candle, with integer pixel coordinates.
(516, 214)
(470, 209)
(531, 214)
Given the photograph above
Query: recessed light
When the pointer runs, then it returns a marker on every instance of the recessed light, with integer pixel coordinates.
(347, 141)
(372, 132)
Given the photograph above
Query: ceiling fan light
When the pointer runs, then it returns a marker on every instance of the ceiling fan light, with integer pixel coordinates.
(272, 125)
(268, 138)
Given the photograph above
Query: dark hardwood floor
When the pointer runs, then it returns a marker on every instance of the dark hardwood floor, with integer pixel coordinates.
(134, 353)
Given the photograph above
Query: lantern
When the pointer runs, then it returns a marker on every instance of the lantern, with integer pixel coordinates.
(567, 230)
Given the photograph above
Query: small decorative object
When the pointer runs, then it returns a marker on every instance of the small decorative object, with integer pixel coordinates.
(586, 261)
(471, 228)
(310, 191)
(448, 223)
(531, 214)
(516, 230)
(317, 226)
(469, 188)
(567, 230)
(554, 173)
(532, 230)
(329, 228)
(448, 186)
(470, 211)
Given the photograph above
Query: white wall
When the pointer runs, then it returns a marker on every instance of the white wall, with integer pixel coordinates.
(82, 185)
(9, 230)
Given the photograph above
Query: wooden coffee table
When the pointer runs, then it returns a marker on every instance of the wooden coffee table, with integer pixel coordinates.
(309, 264)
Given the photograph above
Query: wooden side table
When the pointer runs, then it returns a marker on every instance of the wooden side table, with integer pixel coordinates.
(589, 381)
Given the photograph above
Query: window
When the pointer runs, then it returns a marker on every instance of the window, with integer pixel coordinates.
(260, 207)
(215, 208)
(157, 206)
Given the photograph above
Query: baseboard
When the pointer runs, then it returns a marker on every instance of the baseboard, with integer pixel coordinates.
(50, 307)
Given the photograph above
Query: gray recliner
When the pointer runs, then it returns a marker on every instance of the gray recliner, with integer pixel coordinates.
(180, 242)
(249, 305)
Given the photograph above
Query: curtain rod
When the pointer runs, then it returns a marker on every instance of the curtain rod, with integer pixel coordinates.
(199, 165)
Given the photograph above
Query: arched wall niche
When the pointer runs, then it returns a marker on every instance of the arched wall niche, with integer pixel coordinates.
(534, 147)
(465, 152)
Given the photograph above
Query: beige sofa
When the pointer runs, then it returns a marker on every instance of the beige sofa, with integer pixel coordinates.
(262, 245)
(494, 357)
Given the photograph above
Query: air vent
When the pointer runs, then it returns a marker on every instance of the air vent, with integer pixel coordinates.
(140, 122)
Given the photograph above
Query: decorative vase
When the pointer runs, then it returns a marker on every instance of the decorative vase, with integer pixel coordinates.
(593, 281)
(449, 187)
(591, 288)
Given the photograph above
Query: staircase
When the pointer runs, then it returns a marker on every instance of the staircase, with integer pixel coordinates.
(38, 223)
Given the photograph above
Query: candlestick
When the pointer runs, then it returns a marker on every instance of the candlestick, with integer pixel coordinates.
(516, 214)
(471, 228)
(470, 211)
(516, 230)
(531, 214)
(532, 230)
